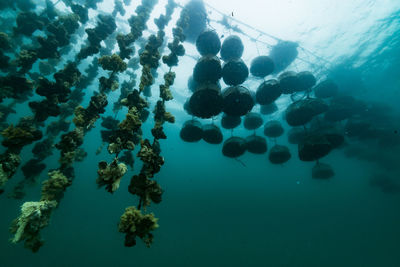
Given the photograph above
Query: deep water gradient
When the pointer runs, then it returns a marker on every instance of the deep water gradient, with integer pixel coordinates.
(217, 212)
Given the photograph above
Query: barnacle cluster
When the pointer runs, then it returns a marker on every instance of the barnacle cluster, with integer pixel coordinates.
(55, 92)
(54, 187)
(9, 163)
(138, 25)
(34, 216)
(175, 47)
(110, 175)
(24, 133)
(16, 87)
(105, 26)
(134, 223)
(85, 118)
(114, 64)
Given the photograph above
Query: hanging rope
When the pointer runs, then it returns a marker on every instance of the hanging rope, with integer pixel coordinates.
(263, 33)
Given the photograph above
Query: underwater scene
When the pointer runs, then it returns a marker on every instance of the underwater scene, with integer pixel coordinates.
(199, 133)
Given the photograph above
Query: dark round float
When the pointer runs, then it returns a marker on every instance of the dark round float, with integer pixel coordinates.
(301, 112)
(256, 144)
(279, 154)
(306, 80)
(232, 48)
(230, 122)
(207, 69)
(237, 100)
(273, 129)
(314, 147)
(268, 109)
(289, 82)
(261, 66)
(322, 171)
(208, 43)
(192, 131)
(252, 121)
(268, 92)
(212, 134)
(234, 72)
(206, 101)
(234, 147)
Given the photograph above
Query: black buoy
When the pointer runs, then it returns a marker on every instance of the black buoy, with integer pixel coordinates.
(289, 82)
(273, 129)
(314, 147)
(206, 101)
(325, 89)
(279, 154)
(322, 171)
(232, 48)
(237, 100)
(207, 69)
(234, 72)
(268, 109)
(234, 147)
(306, 81)
(212, 134)
(230, 122)
(192, 131)
(256, 144)
(301, 112)
(268, 92)
(261, 66)
(208, 43)
(252, 121)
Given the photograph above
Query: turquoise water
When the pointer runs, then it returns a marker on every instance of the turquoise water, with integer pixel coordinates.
(217, 211)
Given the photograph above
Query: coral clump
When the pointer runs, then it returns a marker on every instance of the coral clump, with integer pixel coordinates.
(132, 121)
(9, 163)
(160, 116)
(110, 175)
(25, 60)
(150, 155)
(34, 216)
(54, 187)
(16, 137)
(105, 26)
(16, 87)
(113, 63)
(86, 118)
(148, 190)
(136, 224)
(68, 145)
(165, 92)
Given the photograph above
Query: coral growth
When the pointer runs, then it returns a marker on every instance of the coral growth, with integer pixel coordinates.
(136, 224)
(16, 137)
(110, 175)
(54, 187)
(34, 216)
(16, 87)
(148, 190)
(113, 63)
